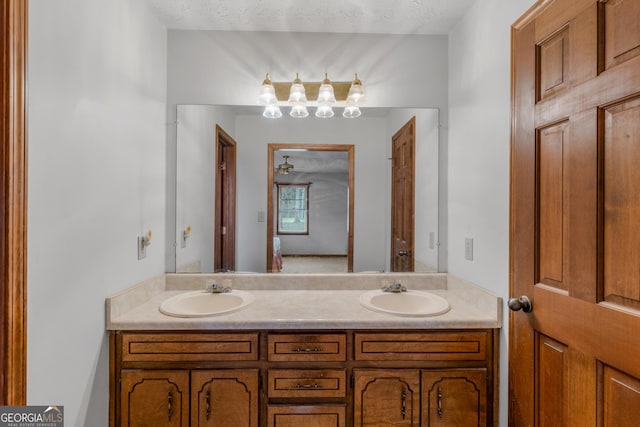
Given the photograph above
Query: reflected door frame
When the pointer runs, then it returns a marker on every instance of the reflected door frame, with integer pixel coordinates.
(403, 167)
(224, 239)
(272, 148)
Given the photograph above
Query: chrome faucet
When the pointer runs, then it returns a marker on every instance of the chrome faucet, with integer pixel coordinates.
(395, 288)
(214, 288)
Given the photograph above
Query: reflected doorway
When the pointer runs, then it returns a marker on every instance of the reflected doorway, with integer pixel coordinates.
(403, 145)
(224, 252)
(285, 208)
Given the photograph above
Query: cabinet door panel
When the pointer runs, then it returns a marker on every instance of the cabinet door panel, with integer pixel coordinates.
(155, 398)
(224, 398)
(386, 397)
(454, 398)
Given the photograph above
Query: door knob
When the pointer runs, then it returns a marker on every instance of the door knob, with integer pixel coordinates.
(404, 253)
(523, 303)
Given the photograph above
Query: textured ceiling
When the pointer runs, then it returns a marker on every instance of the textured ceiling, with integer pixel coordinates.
(330, 16)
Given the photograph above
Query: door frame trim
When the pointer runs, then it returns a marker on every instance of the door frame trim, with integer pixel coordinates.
(13, 203)
(350, 149)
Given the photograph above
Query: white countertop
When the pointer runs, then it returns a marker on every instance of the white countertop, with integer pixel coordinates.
(315, 303)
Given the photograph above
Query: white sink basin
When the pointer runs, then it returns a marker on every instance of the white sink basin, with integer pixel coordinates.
(202, 304)
(409, 303)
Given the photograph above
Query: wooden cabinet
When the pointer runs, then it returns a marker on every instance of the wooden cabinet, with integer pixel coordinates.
(224, 398)
(454, 398)
(389, 397)
(154, 398)
(299, 378)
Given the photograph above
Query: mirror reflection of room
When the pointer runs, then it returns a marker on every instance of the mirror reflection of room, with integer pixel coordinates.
(370, 135)
(311, 211)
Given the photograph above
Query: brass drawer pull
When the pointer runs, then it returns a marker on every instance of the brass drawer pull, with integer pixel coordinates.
(308, 350)
(315, 386)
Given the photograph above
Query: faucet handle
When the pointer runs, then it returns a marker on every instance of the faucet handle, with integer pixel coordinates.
(395, 288)
(214, 288)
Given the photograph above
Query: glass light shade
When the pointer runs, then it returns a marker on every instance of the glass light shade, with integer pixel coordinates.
(356, 92)
(297, 94)
(267, 93)
(324, 111)
(272, 111)
(299, 111)
(351, 111)
(325, 93)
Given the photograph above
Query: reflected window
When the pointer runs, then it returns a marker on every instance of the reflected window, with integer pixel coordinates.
(293, 208)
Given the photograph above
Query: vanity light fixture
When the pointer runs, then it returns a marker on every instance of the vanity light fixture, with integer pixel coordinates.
(298, 95)
(354, 99)
(326, 99)
(269, 100)
(298, 99)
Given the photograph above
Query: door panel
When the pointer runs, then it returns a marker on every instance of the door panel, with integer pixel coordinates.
(403, 198)
(622, 33)
(621, 399)
(550, 184)
(575, 214)
(550, 379)
(622, 203)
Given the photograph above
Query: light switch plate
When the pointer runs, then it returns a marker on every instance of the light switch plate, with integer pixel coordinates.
(142, 250)
(468, 248)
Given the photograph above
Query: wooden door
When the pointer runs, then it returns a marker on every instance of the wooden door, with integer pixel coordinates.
(454, 398)
(403, 147)
(386, 397)
(575, 215)
(225, 203)
(224, 398)
(154, 398)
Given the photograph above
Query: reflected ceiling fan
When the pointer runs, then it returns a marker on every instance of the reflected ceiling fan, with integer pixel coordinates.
(284, 168)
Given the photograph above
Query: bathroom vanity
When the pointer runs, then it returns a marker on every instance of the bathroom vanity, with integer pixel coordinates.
(303, 353)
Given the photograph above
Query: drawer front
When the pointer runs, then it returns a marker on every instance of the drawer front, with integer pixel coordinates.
(307, 415)
(307, 348)
(189, 347)
(421, 346)
(307, 383)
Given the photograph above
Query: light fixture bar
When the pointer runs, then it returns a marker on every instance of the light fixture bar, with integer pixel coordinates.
(340, 90)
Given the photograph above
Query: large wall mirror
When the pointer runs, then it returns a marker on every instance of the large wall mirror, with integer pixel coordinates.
(261, 145)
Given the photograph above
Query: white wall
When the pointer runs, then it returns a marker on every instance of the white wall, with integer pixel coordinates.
(97, 103)
(196, 156)
(479, 131)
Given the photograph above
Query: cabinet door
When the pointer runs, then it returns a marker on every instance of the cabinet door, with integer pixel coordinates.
(154, 398)
(224, 398)
(454, 398)
(386, 397)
